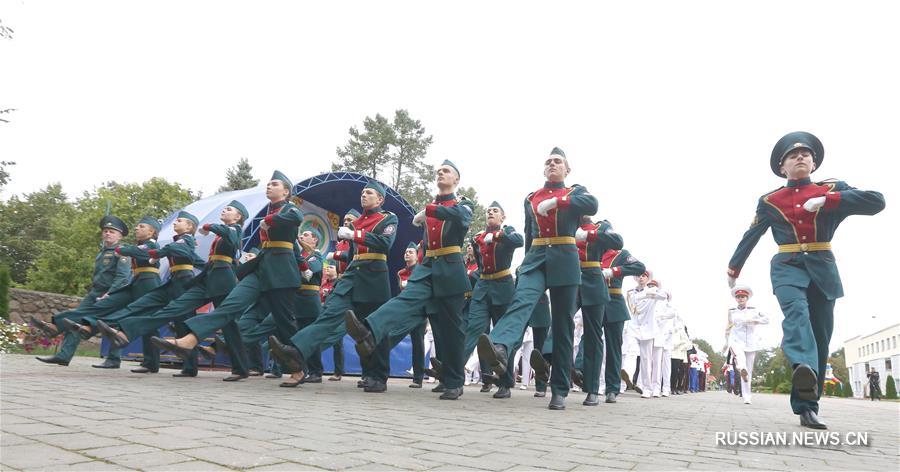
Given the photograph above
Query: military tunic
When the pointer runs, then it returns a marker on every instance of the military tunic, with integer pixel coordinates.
(804, 272)
(622, 264)
(551, 261)
(363, 287)
(494, 287)
(436, 287)
(211, 285)
(272, 276)
(111, 273)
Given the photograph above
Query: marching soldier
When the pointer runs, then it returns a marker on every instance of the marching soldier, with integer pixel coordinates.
(437, 287)
(540, 331)
(552, 215)
(493, 249)
(621, 263)
(272, 276)
(111, 272)
(742, 337)
(594, 240)
(211, 285)
(803, 216)
(145, 277)
(182, 259)
(363, 287)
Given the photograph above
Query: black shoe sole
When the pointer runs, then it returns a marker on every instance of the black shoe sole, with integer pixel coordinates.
(539, 365)
(487, 353)
(804, 380)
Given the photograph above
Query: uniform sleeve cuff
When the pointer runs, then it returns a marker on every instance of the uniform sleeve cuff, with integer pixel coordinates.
(152, 253)
(563, 202)
(359, 236)
(206, 227)
(269, 220)
(592, 236)
(617, 272)
(832, 200)
(735, 272)
(431, 210)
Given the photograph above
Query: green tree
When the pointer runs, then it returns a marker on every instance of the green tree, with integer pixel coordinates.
(24, 221)
(715, 358)
(65, 260)
(4, 173)
(479, 219)
(411, 176)
(239, 177)
(839, 365)
(890, 388)
(4, 292)
(367, 152)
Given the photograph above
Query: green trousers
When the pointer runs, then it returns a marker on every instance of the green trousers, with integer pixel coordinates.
(406, 311)
(510, 330)
(417, 339)
(481, 316)
(71, 340)
(807, 327)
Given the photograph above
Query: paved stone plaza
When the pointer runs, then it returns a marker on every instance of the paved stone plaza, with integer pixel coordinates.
(79, 418)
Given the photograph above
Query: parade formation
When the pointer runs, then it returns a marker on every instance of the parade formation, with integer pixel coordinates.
(460, 292)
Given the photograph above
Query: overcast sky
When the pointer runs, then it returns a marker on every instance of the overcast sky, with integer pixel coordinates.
(668, 111)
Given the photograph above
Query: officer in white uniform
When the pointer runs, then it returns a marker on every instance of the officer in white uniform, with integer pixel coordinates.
(663, 345)
(643, 300)
(744, 339)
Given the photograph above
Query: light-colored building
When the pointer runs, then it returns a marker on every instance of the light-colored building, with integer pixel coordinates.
(879, 350)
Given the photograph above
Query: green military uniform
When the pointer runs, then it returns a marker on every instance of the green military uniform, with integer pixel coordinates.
(437, 287)
(307, 304)
(272, 275)
(182, 259)
(593, 297)
(211, 285)
(551, 261)
(804, 273)
(622, 264)
(111, 273)
(495, 287)
(364, 285)
(145, 277)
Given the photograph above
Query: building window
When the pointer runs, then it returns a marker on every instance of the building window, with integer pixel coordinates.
(895, 342)
(887, 365)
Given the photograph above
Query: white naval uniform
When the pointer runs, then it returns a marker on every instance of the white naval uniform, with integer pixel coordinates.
(744, 340)
(524, 353)
(643, 303)
(662, 349)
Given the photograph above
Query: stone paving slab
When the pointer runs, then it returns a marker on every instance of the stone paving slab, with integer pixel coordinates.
(79, 418)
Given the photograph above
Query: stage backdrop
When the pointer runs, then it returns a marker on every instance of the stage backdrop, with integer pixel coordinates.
(324, 199)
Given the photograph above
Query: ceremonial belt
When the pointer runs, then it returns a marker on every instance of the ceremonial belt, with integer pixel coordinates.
(278, 244)
(370, 256)
(615, 291)
(552, 241)
(804, 247)
(141, 270)
(176, 268)
(587, 264)
(442, 251)
(309, 287)
(496, 275)
(216, 257)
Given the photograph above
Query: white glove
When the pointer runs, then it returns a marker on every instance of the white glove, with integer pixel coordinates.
(403, 284)
(203, 231)
(151, 260)
(814, 204)
(345, 233)
(248, 256)
(264, 225)
(488, 238)
(545, 206)
(329, 256)
(307, 274)
(607, 273)
(731, 281)
(581, 235)
(419, 219)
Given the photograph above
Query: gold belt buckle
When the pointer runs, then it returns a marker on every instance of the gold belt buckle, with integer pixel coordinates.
(804, 247)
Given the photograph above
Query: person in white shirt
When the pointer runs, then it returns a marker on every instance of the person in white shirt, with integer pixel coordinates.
(743, 337)
(642, 300)
(663, 344)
